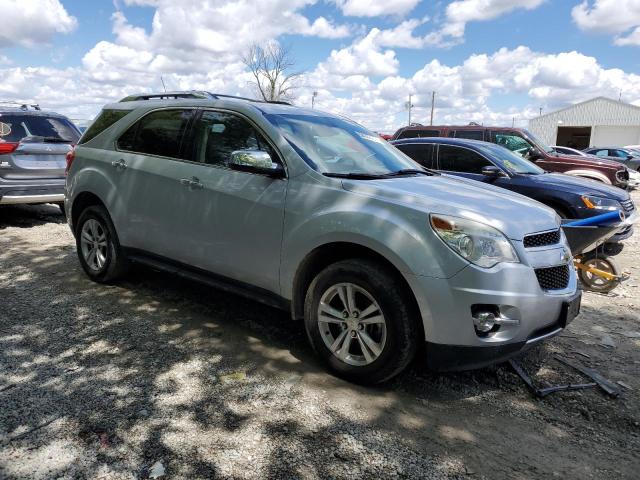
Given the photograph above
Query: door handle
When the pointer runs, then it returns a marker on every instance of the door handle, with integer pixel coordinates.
(119, 164)
(193, 183)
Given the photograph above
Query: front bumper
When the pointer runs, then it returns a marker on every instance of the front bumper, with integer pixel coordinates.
(441, 357)
(512, 288)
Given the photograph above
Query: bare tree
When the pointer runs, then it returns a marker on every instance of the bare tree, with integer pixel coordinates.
(271, 66)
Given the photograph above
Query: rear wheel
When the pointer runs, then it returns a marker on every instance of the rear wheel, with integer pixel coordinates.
(359, 322)
(98, 247)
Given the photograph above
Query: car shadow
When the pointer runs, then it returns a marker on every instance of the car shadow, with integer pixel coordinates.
(27, 216)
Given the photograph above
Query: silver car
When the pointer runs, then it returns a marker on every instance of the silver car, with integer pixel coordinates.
(33, 145)
(317, 215)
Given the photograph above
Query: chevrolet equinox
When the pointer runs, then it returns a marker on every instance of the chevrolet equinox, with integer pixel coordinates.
(313, 213)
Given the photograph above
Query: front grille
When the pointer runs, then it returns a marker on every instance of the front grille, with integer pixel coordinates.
(628, 206)
(553, 278)
(542, 239)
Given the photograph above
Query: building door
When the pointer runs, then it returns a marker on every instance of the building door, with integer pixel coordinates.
(574, 137)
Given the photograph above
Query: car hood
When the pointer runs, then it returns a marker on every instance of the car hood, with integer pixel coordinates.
(602, 162)
(513, 214)
(578, 185)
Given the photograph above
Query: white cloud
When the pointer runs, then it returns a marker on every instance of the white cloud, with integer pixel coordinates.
(29, 23)
(461, 12)
(375, 8)
(619, 17)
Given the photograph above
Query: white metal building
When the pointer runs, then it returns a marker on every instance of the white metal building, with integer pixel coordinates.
(597, 122)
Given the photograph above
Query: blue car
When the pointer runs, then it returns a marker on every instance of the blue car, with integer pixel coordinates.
(569, 196)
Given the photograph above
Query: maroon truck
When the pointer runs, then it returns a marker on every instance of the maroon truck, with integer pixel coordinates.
(527, 145)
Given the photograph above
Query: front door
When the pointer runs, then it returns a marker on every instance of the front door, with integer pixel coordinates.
(233, 221)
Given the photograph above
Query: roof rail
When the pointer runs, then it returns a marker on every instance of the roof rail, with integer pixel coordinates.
(197, 94)
(21, 105)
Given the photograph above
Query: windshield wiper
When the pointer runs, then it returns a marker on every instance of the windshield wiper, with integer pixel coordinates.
(355, 175)
(410, 171)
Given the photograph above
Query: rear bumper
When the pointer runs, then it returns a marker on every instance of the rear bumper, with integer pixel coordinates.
(49, 191)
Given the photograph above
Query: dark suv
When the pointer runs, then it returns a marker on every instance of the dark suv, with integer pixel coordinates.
(528, 146)
(33, 145)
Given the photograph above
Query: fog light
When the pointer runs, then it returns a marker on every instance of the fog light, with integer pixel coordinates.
(484, 321)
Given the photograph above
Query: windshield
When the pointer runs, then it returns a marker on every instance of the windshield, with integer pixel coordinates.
(332, 145)
(538, 143)
(16, 127)
(511, 162)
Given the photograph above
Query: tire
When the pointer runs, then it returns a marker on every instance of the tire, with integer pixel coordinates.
(113, 264)
(594, 283)
(376, 291)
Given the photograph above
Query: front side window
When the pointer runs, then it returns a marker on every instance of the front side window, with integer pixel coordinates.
(217, 134)
(335, 145)
(456, 159)
(619, 153)
(512, 141)
(158, 133)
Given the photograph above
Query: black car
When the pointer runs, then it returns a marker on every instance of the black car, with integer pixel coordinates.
(569, 196)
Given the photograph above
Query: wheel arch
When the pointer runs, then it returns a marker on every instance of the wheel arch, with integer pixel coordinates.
(591, 174)
(329, 253)
(80, 203)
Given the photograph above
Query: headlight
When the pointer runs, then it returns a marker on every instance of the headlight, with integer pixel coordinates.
(476, 242)
(599, 203)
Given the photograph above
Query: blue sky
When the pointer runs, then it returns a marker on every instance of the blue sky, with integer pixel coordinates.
(358, 62)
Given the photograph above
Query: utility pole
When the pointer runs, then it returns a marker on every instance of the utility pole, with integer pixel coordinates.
(433, 104)
(513, 122)
(409, 106)
(163, 85)
(540, 111)
(313, 98)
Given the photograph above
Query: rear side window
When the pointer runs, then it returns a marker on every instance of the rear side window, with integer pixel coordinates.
(420, 152)
(158, 133)
(456, 159)
(102, 122)
(469, 134)
(601, 153)
(15, 127)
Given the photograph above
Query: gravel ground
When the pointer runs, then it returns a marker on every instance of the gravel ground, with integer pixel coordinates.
(160, 376)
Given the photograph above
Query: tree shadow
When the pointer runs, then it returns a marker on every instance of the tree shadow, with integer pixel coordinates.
(158, 368)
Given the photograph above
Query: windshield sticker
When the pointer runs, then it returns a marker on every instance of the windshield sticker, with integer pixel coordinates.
(5, 129)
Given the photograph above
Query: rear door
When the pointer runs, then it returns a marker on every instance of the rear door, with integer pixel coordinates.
(33, 145)
(148, 169)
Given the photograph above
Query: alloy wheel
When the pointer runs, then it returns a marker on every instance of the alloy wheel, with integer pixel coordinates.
(93, 243)
(352, 324)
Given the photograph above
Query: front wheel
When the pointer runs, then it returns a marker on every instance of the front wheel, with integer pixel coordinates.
(98, 247)
(360, 322)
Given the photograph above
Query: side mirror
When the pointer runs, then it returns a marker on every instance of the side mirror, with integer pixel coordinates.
(255, 161)
(534, 154)
(629, 157)
(492, 171)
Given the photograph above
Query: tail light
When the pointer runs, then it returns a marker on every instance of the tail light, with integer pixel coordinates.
(70, 157)
(8, 147)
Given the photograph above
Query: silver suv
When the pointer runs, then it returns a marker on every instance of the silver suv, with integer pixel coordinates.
(315, 214)
(33, 145)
